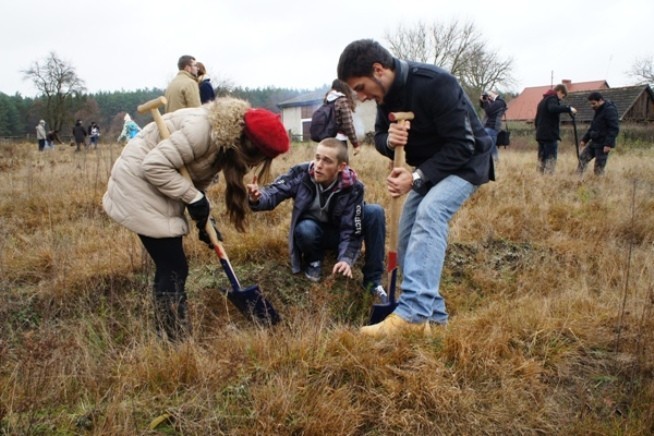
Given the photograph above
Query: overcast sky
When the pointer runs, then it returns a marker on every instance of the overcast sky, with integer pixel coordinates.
(135, 44)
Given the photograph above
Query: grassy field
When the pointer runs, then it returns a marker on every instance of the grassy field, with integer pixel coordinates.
(548, 281)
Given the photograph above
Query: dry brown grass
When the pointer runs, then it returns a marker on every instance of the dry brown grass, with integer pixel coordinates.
(548, 281)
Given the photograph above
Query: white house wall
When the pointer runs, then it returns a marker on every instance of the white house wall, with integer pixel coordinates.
(363, 118)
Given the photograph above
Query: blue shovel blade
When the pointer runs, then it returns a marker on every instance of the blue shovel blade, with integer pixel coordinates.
(252, 303)
(379, 312)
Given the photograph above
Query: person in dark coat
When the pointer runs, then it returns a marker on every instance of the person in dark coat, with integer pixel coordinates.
(51, 137)
(79, 133)
(547, 127)
(204, 84)
(494, 107)
(450, 153)
(599, 140)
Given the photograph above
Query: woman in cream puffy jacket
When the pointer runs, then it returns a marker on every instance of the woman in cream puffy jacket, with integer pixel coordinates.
(147, 194)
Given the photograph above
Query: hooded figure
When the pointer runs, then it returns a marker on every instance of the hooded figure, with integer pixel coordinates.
(130, 129)
(547, 126)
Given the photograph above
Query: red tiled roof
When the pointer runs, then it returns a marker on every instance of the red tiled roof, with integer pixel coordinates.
(523, 107)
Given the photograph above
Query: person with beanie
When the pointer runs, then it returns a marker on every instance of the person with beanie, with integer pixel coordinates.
(147, 194)
(547, 127)
(600, 138)
(207, 93)
(183, 91)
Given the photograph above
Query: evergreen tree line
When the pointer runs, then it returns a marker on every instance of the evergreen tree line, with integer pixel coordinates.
(19, 115)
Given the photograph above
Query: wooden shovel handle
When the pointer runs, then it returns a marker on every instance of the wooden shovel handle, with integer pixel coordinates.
(152, 106)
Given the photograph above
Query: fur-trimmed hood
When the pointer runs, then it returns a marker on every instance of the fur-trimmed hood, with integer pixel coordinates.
(225, 116)
(146, 193)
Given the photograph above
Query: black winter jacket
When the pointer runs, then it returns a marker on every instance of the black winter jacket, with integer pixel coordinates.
(446, 136)
(79, 132)
(605, 126)
(344, 210)
(547, 117)
(494, 111)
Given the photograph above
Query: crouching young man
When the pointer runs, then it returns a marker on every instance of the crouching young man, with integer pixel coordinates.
(328, 213)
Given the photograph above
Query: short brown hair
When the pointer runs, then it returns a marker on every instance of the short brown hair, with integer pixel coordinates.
(341, 149)
(184, 61)
(561, 87)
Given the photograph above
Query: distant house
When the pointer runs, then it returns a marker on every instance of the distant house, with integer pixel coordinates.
(523, 107)
(634, 103)
(297, 112)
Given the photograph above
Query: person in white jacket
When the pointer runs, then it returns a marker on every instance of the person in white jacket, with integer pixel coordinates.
(147, 194)
(41, 134)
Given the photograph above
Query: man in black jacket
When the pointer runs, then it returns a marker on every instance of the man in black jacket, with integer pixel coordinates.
(450, 153)
(79, 133)
(547, 127)
(602, 134)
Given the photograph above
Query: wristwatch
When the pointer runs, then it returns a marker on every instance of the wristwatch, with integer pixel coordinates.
(418, 180)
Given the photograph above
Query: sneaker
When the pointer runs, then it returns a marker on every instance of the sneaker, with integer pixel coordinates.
(313, 271)
(380, 294)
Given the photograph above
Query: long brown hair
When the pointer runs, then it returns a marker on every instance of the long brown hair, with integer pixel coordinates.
(237, 162)
(343, 88)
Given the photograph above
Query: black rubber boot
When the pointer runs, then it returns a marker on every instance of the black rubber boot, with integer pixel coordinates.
(171, 317)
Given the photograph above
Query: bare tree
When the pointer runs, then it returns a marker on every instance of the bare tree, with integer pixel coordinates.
(485, 70)
(58, 83)
(456, 47)
(643, 70)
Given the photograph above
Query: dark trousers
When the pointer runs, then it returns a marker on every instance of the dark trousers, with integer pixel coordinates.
(547, 154)
(589, 153)
(171, 270)
(313, 238)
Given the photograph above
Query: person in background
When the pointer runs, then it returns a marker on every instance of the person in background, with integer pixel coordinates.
(547, 127)
(344, 105)
(51, 137)
(147, 194)
(94, 134)
(41, 135)
(183, 91)
(79, 133)
(328, 213)
(600, 138)
(130, 129)
(207, 93)
(494, 107)
(450, 153)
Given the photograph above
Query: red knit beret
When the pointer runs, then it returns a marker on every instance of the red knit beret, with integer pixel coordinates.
(266, 131)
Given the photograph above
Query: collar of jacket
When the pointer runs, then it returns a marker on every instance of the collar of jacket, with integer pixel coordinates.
(396, 94)
(346, 178)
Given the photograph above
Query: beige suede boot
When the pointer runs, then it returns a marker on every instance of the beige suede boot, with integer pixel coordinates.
(393, 325)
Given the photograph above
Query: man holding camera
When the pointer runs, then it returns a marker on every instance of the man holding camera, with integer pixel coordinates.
(494, 107)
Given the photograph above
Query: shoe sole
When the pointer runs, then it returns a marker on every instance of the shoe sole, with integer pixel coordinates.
(312, 279)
